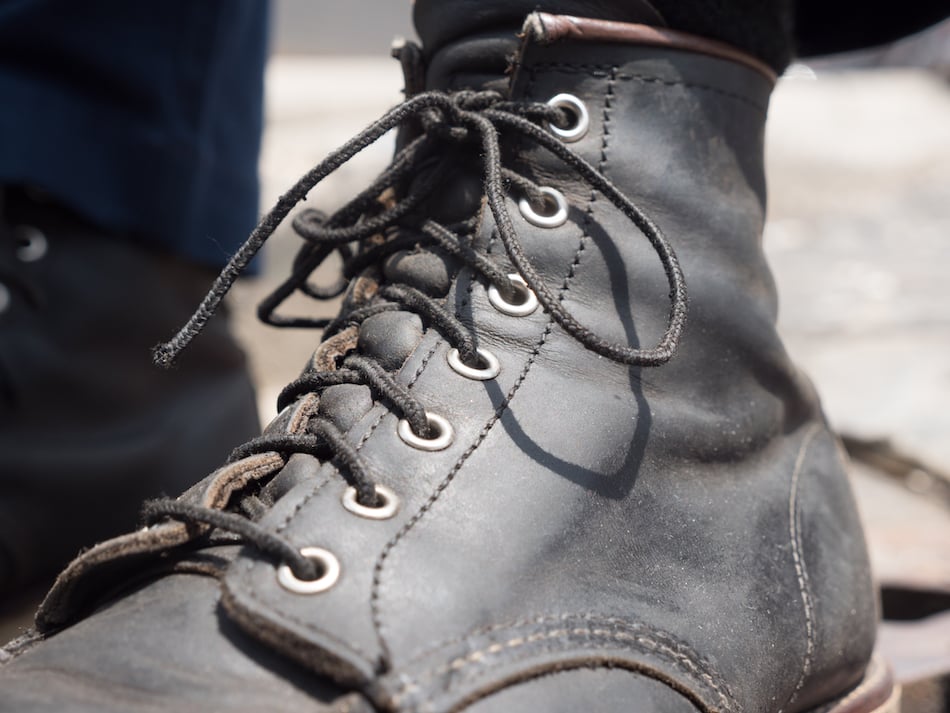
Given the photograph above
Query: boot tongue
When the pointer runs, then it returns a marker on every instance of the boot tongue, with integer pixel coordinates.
(468, 44)
(427, 271)
(475, 62)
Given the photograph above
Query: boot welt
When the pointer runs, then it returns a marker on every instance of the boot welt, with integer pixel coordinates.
(878, 692)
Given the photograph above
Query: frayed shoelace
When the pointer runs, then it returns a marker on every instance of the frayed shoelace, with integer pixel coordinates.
(462, 117)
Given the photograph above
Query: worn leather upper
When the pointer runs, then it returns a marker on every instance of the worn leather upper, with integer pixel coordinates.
(682, 536)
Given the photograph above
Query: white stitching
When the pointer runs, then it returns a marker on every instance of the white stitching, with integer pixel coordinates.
(677, 658)
(801, 571)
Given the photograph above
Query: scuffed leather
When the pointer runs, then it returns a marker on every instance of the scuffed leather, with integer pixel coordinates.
(670, 505)
(701, 466)
(120, 661)
(602, 690)
(596, 537)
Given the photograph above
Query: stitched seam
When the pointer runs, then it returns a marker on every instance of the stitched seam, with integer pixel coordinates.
(482, 435)
(608, 105)
(467, 299)
(572, 272)
(359, 444)
(354, 648)
(470, 274)
(666, 652)
(450, 476)
(589, 211)
(252, 593)
(293, 513)
(801, 571)
(658, 637)
(251, 581)
(491, 628)
(679, 659)
(415, 377)
(604, 70)
(542, 620)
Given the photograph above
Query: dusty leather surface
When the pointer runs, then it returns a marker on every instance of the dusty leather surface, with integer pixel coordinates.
(681, 535)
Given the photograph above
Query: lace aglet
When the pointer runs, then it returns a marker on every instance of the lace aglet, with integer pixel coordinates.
(164, 355)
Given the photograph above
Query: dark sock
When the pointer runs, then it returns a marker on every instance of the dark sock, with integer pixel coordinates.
(823, 27)
(762, 28)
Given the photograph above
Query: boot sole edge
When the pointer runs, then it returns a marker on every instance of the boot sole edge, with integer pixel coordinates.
(877, 693)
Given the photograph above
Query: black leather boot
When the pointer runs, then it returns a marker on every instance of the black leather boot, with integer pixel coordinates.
(87, 427)
(518, 474)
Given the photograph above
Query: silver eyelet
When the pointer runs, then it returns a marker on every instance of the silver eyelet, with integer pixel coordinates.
(582, 118)
(329, 574)
(489, 371)
(553, 220)
(521, 309)
(386, 510)
(5, 298)
(33, 243)
(442, 440)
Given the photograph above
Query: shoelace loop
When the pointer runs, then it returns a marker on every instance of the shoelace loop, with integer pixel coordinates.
(460, 117)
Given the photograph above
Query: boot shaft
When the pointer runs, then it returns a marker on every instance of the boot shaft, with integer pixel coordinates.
(678, 124)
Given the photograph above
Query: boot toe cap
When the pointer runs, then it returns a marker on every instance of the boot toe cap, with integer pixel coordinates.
(600, 690)
(161, 648)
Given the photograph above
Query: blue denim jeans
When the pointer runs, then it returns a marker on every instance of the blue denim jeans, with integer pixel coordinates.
(144, 117)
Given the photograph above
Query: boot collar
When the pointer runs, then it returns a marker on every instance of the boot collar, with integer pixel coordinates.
(489, 60)
(546, 29)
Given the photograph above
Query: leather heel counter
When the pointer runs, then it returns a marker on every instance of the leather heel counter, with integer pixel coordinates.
(838, 592)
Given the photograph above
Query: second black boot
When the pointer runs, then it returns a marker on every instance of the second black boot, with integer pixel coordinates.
(551, 456)
(88, 428)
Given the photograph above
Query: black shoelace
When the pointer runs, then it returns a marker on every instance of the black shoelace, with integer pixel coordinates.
(441, 120)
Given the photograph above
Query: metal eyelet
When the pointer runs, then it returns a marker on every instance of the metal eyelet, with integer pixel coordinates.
(384, 511)
(581, 124)
(442, 439)
(528, 304)
(552, 220)
(329, 567)
(33, 243)
(5, 299)
(488, 371)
